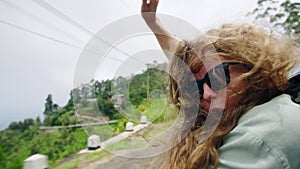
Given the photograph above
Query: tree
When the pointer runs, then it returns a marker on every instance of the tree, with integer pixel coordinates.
(21, 126)
(70, 104)
(2, 159)
(98, 87)
(48, 105)
(85, 92)
(285, 14)
(38, 121)
(75, 96)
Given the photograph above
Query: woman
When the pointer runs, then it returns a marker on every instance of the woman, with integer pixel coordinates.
(240, 71)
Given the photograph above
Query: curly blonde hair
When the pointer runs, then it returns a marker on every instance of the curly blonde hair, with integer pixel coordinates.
(270, 59)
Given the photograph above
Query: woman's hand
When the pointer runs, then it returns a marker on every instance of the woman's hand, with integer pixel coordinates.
(149, 10)
(165, 39)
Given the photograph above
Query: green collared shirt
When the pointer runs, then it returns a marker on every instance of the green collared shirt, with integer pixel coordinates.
(266, 137)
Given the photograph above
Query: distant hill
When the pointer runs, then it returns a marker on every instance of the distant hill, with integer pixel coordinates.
(90, 102)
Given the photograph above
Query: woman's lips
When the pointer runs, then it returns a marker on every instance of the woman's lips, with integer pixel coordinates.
(205, 104)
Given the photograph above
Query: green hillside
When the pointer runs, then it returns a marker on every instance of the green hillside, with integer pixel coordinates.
(88, 103)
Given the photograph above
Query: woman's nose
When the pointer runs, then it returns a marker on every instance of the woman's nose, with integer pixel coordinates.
(208, 93)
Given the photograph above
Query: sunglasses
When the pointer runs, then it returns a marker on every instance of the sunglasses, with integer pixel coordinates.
(216, 78)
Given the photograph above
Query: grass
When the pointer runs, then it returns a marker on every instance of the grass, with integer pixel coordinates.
(160, 111)
(80, 161)
(91, 107)
(105, 131)
(126, 144)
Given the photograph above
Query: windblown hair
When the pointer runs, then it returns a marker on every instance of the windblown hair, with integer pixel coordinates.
(270, 58)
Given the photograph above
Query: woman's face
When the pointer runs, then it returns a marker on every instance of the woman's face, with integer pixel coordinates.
(226, 97)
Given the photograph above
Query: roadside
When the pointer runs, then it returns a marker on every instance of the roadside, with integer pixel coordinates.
(117, 138)
(137, 158)
(134, 152)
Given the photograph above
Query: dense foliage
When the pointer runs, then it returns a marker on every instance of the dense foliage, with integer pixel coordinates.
(147, 85)
(25, 138)
(284, 14)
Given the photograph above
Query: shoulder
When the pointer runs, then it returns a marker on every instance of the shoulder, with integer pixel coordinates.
(272, 121)
(267, 136)
(242, 150)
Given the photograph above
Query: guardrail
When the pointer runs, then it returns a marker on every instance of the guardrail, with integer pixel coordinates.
(78, 125)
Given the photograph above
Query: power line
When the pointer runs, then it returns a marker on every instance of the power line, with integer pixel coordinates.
(67, 19)
(41, 35)
(25, 12)
(38, 34)
(50, 38)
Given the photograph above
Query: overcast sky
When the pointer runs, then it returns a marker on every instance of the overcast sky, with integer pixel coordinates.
(40, 46)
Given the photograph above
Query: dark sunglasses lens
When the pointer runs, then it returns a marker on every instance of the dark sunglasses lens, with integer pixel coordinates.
(200, 86)
(218, 78)
(191, 88)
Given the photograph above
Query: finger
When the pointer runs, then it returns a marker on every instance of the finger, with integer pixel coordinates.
(144, 2)
(152, 1)
(156, 3)
(144, 6)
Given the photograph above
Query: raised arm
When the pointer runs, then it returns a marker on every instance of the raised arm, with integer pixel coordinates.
(166, 40)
